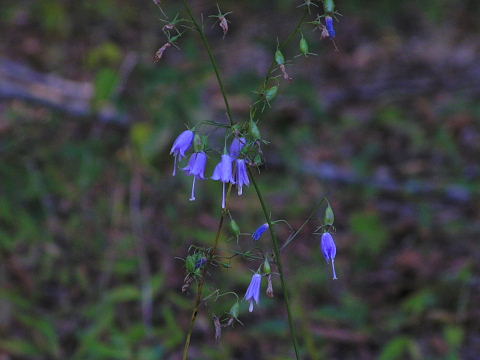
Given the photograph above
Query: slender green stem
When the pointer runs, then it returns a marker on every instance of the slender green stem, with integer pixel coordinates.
(281, 46)
(201, 283)
(212, 59)
(276, 247)
(278, 261)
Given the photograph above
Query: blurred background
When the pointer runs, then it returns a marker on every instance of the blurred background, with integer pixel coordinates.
(92, 222)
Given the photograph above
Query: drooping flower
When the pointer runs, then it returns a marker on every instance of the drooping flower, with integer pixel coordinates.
(253, 292)
(196, 168)
(159, 54)
(181, 145)
(259, 232)
(241, 175)
(236, 147)
(329, 25)
(223, 172)
(270, 286)
(223, 25)
(329, 250)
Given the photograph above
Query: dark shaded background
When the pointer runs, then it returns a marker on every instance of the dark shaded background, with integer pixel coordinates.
(91, 220)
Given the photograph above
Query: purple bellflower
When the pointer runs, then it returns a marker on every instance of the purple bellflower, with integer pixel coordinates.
(259, 232)
(329, 251)
(253, 292)
(223, 172)
(237, 146)
(182, 143)
(241, 175)
(329, 25)
(196, 168)
(200, 262)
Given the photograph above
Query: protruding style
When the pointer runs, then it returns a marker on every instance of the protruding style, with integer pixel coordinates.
(329, 251)
(253, 292)
(196, 168)
(223, 172)
(180, 146)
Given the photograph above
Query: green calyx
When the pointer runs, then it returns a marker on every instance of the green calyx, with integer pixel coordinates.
(279, 58)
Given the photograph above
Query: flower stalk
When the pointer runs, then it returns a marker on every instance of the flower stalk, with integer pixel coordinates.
(276, 247)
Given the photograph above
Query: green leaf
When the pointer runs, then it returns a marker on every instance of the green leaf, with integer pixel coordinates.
(106, 82)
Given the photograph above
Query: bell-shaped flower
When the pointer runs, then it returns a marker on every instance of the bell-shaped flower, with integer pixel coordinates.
(181, 145)
(241, 175)
(196, 168)
(223, 173)
(329, 26)
(253, 292)
(329, 250)
(259, 232)
(236, 147)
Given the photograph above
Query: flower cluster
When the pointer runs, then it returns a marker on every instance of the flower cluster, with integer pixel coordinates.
(232, 168)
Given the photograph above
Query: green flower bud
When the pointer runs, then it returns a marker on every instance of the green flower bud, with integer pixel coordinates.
(279, 58)
(266, 267)
(257, 161)
(329, 216)
(304, 49)
(253, 130)
(190, 264)
(197, 143)
(329, 6)
(271, 93)
(234, 310)
(234, 227)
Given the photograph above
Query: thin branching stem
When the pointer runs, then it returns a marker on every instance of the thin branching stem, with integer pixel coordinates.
(212, 59)
(200, 284)
(276, 247)
(278, 262)
(281, 46)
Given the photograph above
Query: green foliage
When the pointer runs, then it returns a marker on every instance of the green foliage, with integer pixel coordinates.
(371, 234)
(399, 348)
(70, 280)
(106, 81)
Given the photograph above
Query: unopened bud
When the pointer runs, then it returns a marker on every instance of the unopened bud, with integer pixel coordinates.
(234, 227)
(266, 267)
(279, 58)
(271, 93)
(253, 130)
(329, 216)
(197, 143)
(234, 310)
(200, 262)
(190, 264)
(304, 49)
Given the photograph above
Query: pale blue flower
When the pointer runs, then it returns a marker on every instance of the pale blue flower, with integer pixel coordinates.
(329, 250)
(329, 26)
(259, 232)
(241, 175)
(196, 168)
(237, 146)
(223, 172)
(253, 292)
(181, 145)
